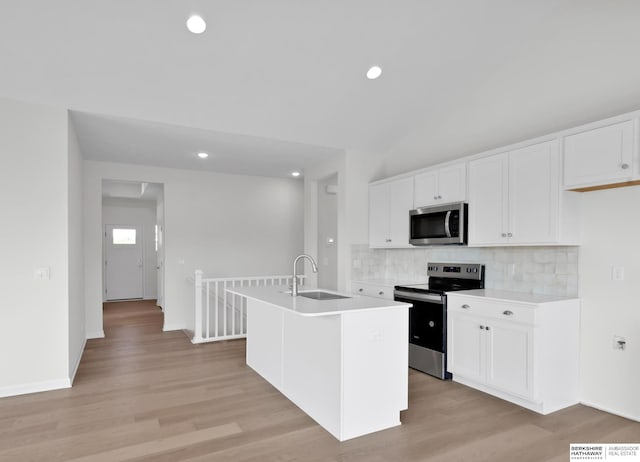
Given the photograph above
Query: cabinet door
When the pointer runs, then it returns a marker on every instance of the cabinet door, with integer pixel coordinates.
(510, 357)
(379, 215)
(465, 346)
(452, 184)
(400, 203)
(599, 156)
(426, 189)
(488, 190)
(534, 193)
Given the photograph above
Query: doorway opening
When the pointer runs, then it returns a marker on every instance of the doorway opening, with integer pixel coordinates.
(133, 241)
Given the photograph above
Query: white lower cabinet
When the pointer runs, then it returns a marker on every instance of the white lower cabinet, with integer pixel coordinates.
(524, 350)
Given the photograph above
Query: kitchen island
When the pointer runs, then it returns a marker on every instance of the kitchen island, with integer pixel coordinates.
(344, 362)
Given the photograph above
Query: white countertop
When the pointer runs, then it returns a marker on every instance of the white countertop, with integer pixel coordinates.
(511, 296)
(277, 296)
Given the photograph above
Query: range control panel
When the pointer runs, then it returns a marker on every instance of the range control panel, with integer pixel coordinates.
(456, 270)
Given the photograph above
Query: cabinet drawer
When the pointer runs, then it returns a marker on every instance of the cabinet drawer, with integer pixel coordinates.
(491, 309)
(371, 290)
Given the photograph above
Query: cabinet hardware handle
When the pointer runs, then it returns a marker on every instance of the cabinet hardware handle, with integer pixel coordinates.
(465, 306)
(381, 293)
(435, 198)
(507, 313)
(360, 289)
(482, 327)
(504, 234)
(624, 166)
(509, 235)
(487, 328)
(439, 197)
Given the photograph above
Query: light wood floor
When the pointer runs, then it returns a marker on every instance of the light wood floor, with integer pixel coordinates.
(143, 395)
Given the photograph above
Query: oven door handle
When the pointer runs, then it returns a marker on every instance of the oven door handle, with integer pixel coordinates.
(447, 225)
(419, 297)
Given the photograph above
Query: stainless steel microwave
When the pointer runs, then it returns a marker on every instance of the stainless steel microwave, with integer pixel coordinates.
(439, 225)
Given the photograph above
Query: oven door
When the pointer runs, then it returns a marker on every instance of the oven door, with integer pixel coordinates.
(427, 332)
(426, 319)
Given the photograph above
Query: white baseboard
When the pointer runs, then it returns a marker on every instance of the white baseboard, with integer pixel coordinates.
(96, 334)
(34, 387)
(72, 375)
(170, 327)
(611, 411)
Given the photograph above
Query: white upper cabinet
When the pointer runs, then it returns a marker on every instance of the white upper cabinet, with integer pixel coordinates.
(389, 206)
(515, 198)
(488, 200)
(600, 156)
(534, 192)
(441, 186)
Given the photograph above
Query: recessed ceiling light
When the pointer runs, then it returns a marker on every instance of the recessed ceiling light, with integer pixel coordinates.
(203, 155)
(295, 173)
(196, 24)
(374, 72)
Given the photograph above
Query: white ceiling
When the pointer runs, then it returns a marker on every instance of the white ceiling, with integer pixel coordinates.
(131, 190)
(116, 139)
(456, 74)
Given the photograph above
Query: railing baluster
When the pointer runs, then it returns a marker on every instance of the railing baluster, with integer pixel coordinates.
(224, 313)
(208, 328)
(233, 311)
(216, 323)
(197, 328)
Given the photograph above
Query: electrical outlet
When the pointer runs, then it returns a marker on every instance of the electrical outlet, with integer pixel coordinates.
(619, 343)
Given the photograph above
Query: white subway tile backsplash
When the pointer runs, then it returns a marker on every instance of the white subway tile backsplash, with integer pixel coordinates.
(546, 270)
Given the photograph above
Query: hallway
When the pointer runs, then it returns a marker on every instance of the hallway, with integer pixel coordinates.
(146, 395)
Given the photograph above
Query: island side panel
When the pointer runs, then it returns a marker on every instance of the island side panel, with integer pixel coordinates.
(311, 367)
(375, 370)
(264, 341)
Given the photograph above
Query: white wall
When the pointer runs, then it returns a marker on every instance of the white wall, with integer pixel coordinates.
(327, 229)
(312, 177)
(611, 378)
(34, 314)
(139, 213)
(226, 225)
(77, 337)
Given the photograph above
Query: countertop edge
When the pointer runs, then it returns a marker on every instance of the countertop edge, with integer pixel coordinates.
(383, 306)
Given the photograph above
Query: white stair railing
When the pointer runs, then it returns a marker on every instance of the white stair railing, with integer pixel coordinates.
(223, 316)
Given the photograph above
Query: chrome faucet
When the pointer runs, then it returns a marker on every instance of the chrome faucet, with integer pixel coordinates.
(294, 283)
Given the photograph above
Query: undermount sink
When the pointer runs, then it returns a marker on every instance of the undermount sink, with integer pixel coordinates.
(321, 295)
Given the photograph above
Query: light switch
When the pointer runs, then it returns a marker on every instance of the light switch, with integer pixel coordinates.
(617, 273)
(42, 273)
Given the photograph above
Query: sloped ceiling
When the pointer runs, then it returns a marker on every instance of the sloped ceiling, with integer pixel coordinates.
(457, 75)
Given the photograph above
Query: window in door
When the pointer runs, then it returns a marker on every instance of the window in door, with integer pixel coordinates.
(123, 236)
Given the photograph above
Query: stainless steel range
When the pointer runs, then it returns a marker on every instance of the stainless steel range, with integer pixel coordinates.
(428, 317)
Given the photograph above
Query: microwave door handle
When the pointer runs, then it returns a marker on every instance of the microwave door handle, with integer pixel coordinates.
(447, 227)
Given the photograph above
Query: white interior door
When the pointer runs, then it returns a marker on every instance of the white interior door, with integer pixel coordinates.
(124, 268)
